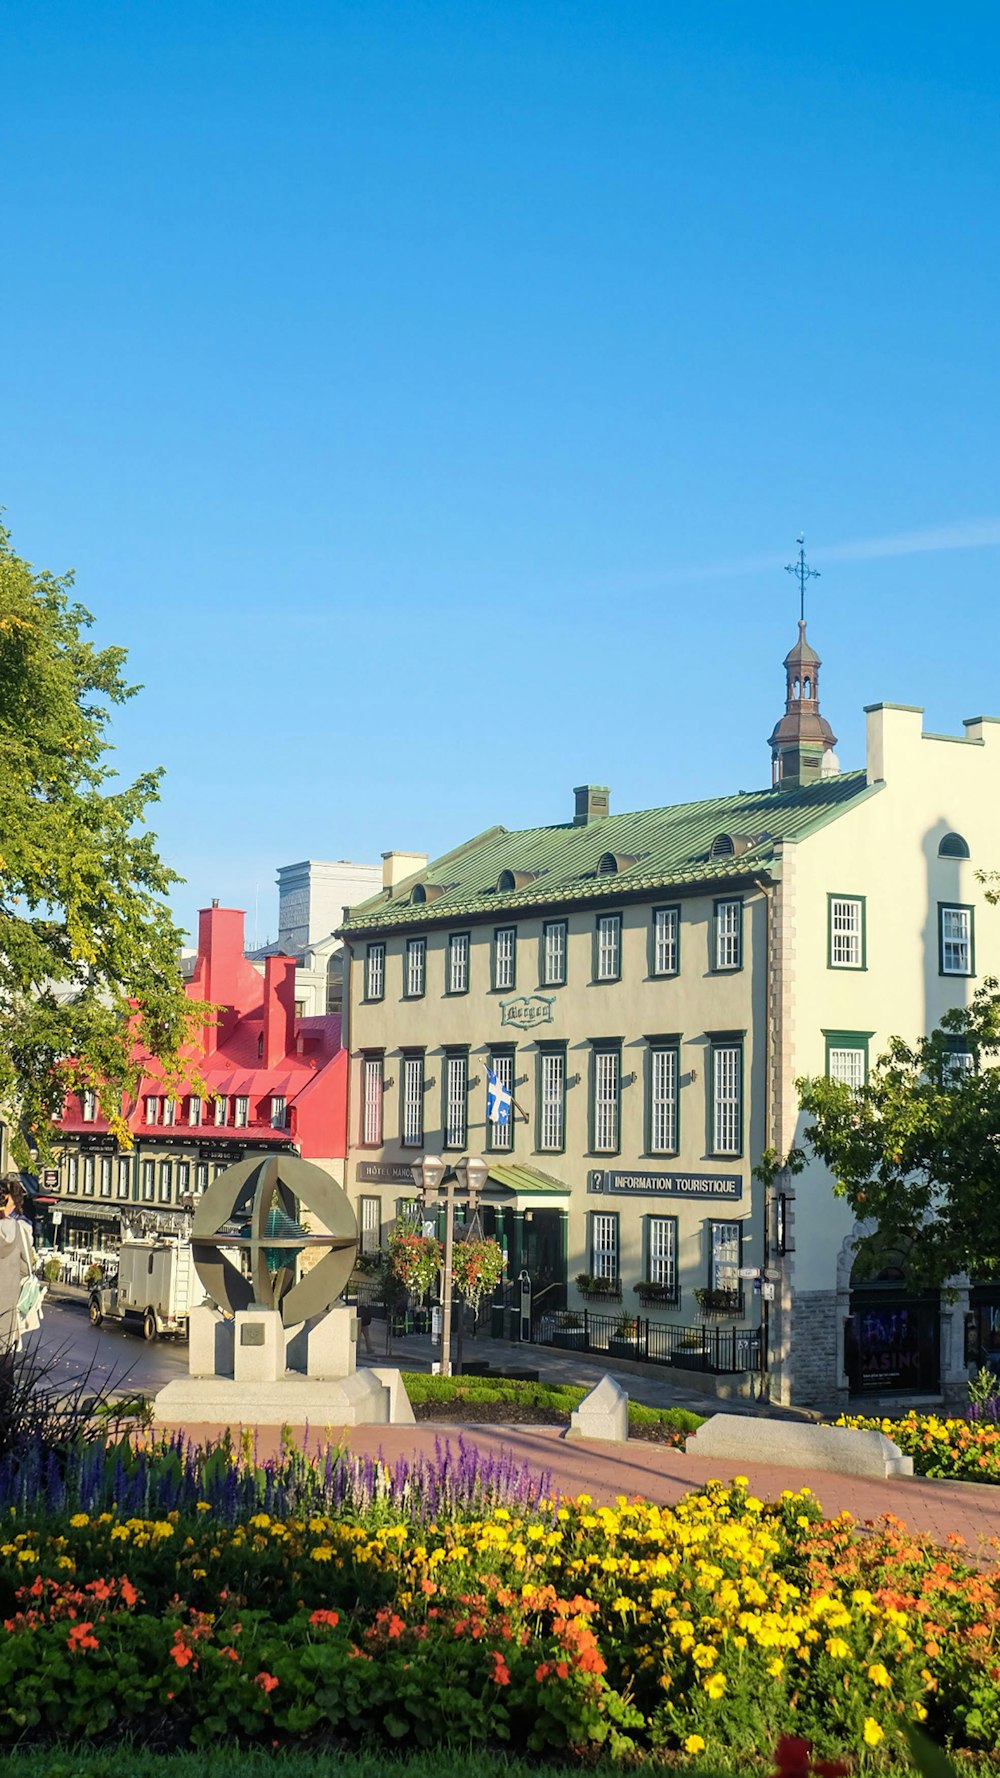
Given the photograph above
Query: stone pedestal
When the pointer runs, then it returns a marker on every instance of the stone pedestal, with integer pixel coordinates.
(603, 1414)
(240, 1375)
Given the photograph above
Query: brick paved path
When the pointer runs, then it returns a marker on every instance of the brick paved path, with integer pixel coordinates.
(968, 1509)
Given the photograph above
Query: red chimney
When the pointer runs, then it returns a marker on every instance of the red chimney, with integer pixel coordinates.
(220, 967)
(279, 1009)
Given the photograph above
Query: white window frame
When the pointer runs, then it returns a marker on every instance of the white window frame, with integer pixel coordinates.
(724, 1256)
(604, 1257)
(608, 964)
(416, 968)
(555, 946)
(124, 1177)
(149, 1182)
(552, 1101)
(88, 1175)
(72, 1175)
(458, 963)
(666, 941)
(412, 1100)
(241, 1112)
(279, 1111)
(728, 928)
(500, 1137)
(847, 932)
(165, 1182)
(664, 1077)
(106, 1179)
(182, 1180)
(222, 1108)
(727, 1098)
(956, 943)
(848, 1063)
(151, 1109)
(505, 957)
(661, 1251)
(88, 1105)
(375, 972)
(369, 1224)
(372, 1100)
(196, 1109)
(201, 1177)
(456, 1099)
(606, 1112)
(170, 1112)
(957, 1064)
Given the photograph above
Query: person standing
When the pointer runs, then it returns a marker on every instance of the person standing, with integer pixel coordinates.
(15, 1265)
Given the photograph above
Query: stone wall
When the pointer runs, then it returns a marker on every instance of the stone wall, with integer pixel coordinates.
(814, 1359)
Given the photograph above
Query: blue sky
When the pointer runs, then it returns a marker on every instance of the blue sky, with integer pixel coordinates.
(428, 396)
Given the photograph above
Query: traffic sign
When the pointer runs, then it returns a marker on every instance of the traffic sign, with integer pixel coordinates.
(749, 1272)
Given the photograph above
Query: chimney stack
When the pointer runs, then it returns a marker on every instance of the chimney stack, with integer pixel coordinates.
(279, 1009)
(220, 961)
(592, 802)
(397, 866)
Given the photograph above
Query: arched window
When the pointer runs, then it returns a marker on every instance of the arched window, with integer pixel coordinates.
(722, 846)
(807, 687)
(953, 846)
(506, 882)
(418, 893)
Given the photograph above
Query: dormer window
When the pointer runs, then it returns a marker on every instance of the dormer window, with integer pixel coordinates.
(509, 880)
(422, 892)
(731, 845)
(610, 864)
(953, 846)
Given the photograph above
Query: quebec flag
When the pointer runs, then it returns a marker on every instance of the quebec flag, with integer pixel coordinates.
(498, 1100)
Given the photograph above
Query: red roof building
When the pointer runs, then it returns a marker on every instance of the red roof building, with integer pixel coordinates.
(272, 1081)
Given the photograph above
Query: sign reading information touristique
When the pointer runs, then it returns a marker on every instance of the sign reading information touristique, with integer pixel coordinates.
(668, 1185)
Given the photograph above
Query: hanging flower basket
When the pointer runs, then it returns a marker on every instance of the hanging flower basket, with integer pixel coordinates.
(476, 1269)
(415, 1260)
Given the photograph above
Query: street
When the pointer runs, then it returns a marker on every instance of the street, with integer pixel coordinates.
(114, 1355)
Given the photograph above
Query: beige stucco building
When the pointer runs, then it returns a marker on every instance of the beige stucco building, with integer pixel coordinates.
(649, 986)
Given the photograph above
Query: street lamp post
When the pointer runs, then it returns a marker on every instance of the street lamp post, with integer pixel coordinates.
(470, 1174)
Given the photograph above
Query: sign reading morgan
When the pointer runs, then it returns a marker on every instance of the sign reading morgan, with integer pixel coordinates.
(253, 1208)
(527, 1011)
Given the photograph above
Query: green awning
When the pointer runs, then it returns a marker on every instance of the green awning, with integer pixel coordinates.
(527, 1183)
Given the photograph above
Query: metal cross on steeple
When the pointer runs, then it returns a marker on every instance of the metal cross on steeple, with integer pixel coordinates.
(802, 574)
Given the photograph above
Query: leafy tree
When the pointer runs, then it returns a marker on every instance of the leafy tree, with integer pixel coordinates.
(88, 950)
(917, 1149)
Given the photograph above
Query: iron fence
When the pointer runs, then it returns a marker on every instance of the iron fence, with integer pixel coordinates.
(723, 1351)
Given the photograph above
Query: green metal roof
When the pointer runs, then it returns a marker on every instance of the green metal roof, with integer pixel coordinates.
(526, 1181)
(671, 848)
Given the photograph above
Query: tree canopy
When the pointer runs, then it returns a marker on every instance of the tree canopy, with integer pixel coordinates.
(917, 1148)
(88, 948)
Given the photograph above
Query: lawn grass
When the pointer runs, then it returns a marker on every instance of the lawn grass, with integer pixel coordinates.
(126, 1761)
(559, 1399)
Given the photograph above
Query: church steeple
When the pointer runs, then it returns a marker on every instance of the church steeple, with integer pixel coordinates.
(802, 742)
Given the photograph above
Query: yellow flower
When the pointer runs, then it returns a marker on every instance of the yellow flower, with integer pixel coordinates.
(322, 1553)
(694, 1744)
(837, 1647)
(872, 1732)
(703, 1656)
(79, 1519)
(715, 1685)
(203, 1506)
(878, 1675)
(776, 1669)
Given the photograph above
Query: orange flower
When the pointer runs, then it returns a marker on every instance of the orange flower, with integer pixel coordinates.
(266, 1681)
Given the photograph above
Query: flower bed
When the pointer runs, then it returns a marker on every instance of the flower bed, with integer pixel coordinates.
(507, 1401)
(965, 1450)
(338, 1602)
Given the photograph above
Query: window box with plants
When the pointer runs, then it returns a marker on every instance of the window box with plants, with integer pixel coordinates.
(719, 1302)
(657, 1296)
(599, 1290)
(623, 1341)
(568, 1330)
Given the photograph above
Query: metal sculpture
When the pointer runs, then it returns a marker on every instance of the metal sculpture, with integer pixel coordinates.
(252, 1207)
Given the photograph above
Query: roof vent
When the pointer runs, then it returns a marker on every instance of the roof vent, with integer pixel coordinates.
(730, 845)
(592, 802)
(611, 863)
(422, 892)
(953, 846)
(509, 880)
